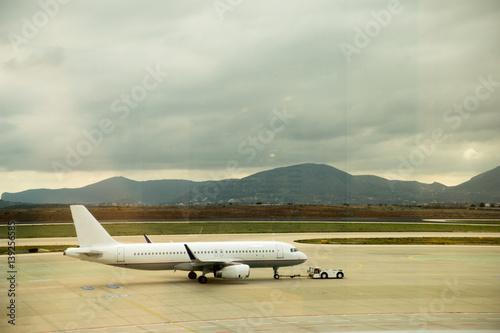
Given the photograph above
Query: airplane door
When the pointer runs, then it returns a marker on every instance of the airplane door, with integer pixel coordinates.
(120, 254)
(279, 251)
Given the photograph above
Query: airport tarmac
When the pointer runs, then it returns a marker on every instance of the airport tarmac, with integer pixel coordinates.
(385, 288)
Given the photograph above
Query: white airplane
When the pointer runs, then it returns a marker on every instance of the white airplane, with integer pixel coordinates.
(228, 260)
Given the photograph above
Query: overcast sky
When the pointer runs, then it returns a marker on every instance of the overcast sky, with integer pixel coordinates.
(222, 89)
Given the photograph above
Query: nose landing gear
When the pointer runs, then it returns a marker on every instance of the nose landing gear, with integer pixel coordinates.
(276, 275)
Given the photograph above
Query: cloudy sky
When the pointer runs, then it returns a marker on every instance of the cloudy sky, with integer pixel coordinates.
(221, 89)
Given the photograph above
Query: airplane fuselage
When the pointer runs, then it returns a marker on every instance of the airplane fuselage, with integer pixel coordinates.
(173, 256)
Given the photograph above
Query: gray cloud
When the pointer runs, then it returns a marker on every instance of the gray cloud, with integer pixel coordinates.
(52, 56)
(227, 76)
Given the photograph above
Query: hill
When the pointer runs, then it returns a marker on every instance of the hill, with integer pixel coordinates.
(313, 184)
(303, 183)
(118, 190)
(484, 187)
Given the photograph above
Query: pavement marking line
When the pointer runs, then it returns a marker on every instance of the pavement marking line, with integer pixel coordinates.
(339, 319)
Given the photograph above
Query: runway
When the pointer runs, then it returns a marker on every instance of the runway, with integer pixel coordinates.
(386, 288)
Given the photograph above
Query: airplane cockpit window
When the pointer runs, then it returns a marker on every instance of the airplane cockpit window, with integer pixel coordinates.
(294, 249)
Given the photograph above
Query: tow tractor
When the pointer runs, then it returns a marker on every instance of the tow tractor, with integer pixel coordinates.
(317, 273)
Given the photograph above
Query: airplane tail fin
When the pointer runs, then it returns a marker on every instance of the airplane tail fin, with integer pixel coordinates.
(88, 230)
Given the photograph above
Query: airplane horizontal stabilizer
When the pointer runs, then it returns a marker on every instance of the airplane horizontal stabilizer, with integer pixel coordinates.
(84, 251)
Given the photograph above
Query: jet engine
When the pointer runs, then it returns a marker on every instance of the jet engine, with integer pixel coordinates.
(233, 272)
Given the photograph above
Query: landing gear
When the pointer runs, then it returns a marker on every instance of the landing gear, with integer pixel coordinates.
(202, 279)
(276, 275)
(192, 275)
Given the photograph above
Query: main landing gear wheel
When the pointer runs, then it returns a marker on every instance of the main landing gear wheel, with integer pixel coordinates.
(192, 275)
(202, 279)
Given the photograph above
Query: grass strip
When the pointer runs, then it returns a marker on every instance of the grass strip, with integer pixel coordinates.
(173, 228)
(407, 241)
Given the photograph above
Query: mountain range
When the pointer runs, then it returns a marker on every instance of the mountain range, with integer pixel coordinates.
(303, 183)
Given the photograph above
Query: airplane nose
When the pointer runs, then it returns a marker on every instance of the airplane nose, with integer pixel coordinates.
(303, 256)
